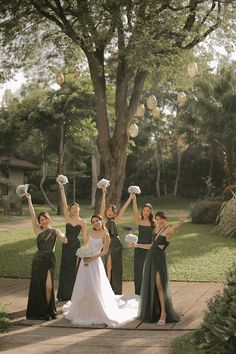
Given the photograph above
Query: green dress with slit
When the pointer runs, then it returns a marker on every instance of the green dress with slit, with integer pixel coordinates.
(145, 235)
(155, 262)
(115, 251)
(43, 261)
(68, 267)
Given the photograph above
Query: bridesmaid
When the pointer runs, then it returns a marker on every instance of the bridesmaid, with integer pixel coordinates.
(113, 258)
(41, 300)
(146, 226)
(68, 268)
(156, 304)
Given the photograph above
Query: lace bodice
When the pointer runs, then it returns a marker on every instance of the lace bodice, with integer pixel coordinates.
(95, 243)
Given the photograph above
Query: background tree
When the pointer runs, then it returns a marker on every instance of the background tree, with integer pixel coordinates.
(133, 37)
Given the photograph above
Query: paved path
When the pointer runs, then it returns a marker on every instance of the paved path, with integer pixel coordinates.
(59, 336)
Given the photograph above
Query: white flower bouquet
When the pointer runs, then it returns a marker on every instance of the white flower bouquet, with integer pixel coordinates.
(103, 183)
(134, 189)
(22, 189)
(130, 238)
(62, 179)
(84, 251)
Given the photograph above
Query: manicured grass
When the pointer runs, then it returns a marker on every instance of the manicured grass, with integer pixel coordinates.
(195, 254)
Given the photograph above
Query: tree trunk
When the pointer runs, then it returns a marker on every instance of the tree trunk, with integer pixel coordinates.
(95, 173)
(60, 166)
(113, 146)
(179, 159)
(158, 167)
(230, 166)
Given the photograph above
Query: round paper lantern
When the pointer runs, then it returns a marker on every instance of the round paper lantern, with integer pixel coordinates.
(192, 69)
(140, 110)
(60, 79)
(181, 98)
(133, 130)
(181, 144)
(156, 112)
(77, 71)
(151, 102)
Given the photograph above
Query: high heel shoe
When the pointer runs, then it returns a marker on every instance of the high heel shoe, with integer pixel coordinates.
(162, 321)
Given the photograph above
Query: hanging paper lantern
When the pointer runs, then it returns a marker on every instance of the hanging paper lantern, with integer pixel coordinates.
(192, 69)
(156, 112)
(77, 71)
(60, 79)
(151, 102)
(133, 130)
(181, 144)
(181, 98)
(140, 110)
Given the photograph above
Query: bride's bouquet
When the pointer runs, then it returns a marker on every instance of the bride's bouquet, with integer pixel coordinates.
(22, 189)
(62, 179)
(131, 238)
(134, 189)
(103, 183)
(84, 251)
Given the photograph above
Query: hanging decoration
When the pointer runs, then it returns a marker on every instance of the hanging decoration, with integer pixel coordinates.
(156, 112)
(140, 110)
(181, 144)
(192, 69)
(181, 98)
(151, 102)
(60, 79)
(133, 130)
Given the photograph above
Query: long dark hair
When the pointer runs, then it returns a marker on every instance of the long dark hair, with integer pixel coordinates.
(98, 216)
(150, 217)
(161, 215)
(44, 214)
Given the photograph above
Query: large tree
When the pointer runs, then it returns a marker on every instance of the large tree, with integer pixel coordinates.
(132, 37)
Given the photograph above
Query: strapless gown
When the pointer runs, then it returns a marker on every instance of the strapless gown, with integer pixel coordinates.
(93, 300)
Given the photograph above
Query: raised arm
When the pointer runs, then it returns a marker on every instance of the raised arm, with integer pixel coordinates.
(84, 232)
(103, 202)
(122, 210)
(32, 214)
(62, 237)
(173, 229)
(135, 208)
(63, 199)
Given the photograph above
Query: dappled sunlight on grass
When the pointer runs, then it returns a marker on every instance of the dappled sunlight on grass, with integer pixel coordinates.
(194, 254)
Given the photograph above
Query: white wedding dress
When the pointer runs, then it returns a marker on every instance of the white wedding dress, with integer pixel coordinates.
(93, 300)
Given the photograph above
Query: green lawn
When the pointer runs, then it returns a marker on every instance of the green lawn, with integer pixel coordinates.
(195, 253)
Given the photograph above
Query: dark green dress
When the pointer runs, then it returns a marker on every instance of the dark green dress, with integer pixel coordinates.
(145, 235)
(43, 261)
(115, 251)
(68, 268)
(150, 309)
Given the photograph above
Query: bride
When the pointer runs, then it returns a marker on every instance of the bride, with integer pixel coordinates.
(93, 300)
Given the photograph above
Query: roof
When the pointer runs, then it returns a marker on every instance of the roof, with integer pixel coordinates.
(17, 163)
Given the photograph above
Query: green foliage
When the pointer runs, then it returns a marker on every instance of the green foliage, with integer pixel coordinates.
(226, 221)
(186, 345)
(4, 318)
(205, 212)
(217, 334)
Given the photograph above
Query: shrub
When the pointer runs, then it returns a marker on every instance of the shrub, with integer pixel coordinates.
(205, 212)
(4, 319)
(217, 334)
(226, 221)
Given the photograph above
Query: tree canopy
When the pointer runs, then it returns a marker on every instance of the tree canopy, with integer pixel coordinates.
(132, 37)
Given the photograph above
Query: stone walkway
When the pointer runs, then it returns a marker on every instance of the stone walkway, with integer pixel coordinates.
(59, 336)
